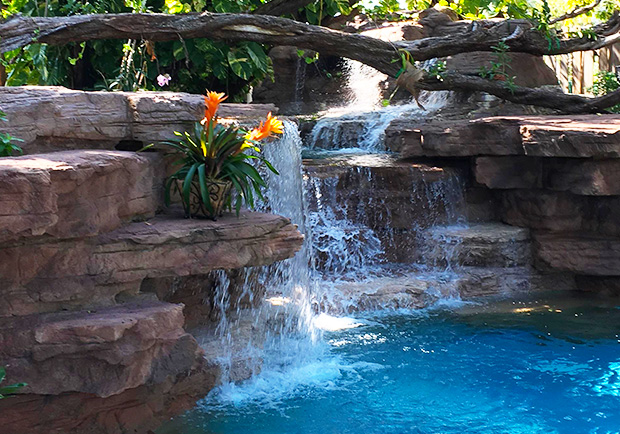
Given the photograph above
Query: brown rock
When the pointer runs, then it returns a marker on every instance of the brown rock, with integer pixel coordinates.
(528, 70)
(540, 209)
(55, 118)
(605, 286)
(488, 136)
(137, 410)
(103, 353)
(509, 172)
(580, 253)
(73, 194)
(581, 136)
(571, 136)
(587, 177)
(480, 245)
(561, 211)
(71, 274)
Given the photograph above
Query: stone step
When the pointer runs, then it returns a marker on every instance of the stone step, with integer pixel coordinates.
(74, 194)
(582, 136)
(585, 177)
(416, 290)
(69, 274)
(102, 352)
(478, 245)
(381, 192)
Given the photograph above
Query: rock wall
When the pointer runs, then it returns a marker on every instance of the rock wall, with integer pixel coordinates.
(55, 118)
(87, 258)
(557, 175)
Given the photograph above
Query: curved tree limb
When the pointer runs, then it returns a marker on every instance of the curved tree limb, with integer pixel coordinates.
(541, 97)
(520, 35)
(19, 31)
(575, 12)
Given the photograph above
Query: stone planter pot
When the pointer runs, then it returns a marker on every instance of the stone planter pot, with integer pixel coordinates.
(219, 192)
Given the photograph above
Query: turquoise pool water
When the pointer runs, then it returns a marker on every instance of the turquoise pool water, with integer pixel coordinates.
(542, 366)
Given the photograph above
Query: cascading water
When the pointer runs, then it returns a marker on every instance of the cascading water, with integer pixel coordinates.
(361, 124)
(378, 237)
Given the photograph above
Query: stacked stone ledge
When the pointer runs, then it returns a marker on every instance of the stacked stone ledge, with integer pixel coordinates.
(557, 175)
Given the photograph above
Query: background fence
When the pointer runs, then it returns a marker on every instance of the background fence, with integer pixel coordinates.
(576, 71)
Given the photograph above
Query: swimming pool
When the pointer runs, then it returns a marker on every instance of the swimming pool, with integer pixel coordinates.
(547, 365)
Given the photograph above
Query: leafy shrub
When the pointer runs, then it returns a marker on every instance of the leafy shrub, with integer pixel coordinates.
(604, 83)
(7, 147)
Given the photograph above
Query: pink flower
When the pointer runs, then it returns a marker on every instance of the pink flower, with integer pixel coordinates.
(163, 80)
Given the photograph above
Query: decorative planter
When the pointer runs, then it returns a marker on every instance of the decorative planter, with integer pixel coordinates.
(218, 193)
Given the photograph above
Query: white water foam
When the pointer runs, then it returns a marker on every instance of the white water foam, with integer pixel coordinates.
(361, 124)
(293, 355)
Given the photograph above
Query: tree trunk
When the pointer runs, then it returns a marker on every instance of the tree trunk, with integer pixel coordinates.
(384, 56)
(2, 75)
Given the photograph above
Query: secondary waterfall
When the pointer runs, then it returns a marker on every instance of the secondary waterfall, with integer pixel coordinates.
(360, 124)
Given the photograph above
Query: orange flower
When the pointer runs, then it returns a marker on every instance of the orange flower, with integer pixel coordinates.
(212, 103)
(271, 126)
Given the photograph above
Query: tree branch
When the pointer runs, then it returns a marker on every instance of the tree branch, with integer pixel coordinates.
(575, 12)
(19, 31)
(520, 35)
(541, 97)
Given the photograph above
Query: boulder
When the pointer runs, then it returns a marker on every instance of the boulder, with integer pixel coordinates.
(528, 70)
(583, 136)
(74, 273)
(52, 118)
(509, 172)
(541, 209)
(136, 410)
(584, 177)
(75, 194)
(103, 352)
(561, 211)
(579, 252)
(480, 245)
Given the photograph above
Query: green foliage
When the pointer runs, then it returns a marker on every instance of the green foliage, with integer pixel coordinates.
(385, 9)
(308, 59)
(193, 64)
(499, 68)
(320, 9)
(436, 69)
(8, 390)
(604, 83)
(7, 149)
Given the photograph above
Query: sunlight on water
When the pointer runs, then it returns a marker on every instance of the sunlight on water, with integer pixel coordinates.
(482, 370)
(360, 124)
(333, 323)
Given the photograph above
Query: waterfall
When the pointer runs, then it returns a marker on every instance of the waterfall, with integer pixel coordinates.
(360, 125)
(355, 229)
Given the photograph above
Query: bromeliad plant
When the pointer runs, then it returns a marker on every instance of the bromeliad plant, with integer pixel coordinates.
(216, 158)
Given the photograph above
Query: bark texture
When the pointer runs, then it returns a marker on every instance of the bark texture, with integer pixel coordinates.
(464, 36)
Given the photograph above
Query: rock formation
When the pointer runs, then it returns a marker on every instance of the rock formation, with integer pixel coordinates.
(82, 254)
